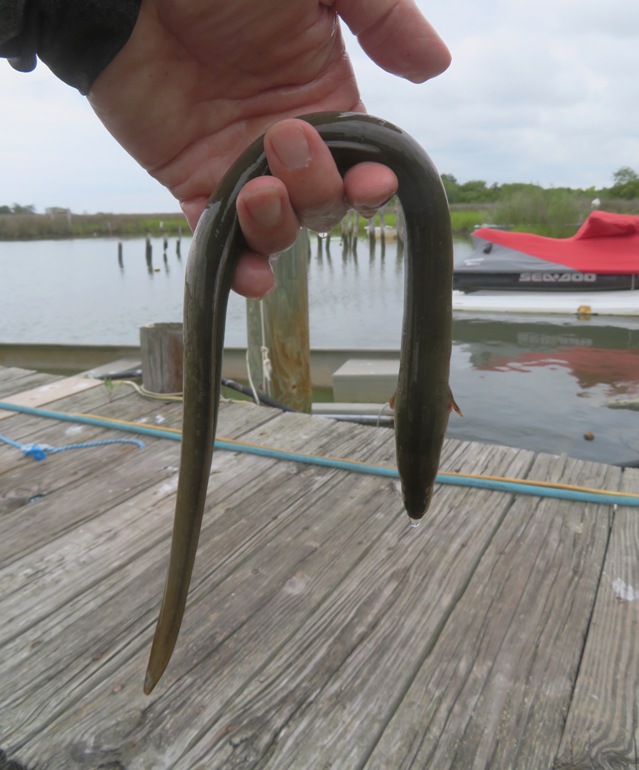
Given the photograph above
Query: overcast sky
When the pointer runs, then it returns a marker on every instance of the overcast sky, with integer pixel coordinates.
(543, 91)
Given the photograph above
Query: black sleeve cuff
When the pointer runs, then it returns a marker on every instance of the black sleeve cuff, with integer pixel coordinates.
(76, 39)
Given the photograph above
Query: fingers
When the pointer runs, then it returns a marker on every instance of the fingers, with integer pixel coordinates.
(317, 195)
(305, 189)
(396, 36)
(266, 215)
(269, 225)
(368, 186)
(253, 276)
(299, 158)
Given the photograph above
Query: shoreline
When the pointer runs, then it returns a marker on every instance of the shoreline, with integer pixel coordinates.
(64, 225)
(60, 226)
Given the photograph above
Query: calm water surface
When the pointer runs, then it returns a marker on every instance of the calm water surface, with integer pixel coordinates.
(537, 383)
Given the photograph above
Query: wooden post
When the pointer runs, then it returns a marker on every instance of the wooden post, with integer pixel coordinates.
(371, 236)
(355, 232)
(278, 328)
(161, 347)
(148, 252)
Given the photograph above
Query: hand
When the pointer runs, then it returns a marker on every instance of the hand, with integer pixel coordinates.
(197, 82)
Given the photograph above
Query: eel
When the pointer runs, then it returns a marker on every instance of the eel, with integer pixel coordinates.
(422, 399)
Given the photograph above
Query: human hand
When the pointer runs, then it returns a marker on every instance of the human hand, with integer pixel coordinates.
(196, 83)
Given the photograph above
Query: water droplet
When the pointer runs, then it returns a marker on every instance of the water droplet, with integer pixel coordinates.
(414, 522)
(323, 235)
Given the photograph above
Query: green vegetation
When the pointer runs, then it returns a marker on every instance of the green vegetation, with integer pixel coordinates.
(62, 223)
(556, 212)
(626, 184)
(546, 212)
(464, 220)
(17, 209)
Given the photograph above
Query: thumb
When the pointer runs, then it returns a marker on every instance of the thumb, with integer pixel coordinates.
(396, 36)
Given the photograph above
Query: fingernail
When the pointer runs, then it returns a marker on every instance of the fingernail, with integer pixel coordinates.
(370, 208)
(291, 147)
(266, 210)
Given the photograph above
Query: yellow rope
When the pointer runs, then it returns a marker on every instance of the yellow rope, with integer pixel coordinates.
(505, 479)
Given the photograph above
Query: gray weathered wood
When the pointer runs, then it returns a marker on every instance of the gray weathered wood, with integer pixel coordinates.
(161, 349)
(13, 380)
(495, 690)
(321, 630)
(602, 730)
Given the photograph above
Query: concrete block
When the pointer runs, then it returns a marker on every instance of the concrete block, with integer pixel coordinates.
(365, 381)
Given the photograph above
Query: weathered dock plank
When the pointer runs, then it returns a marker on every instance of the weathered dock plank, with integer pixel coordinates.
(43, 389)
(326, 697)
(496, 689)
(602, 730)
(245, 532)
(14, 380)
(321, 630)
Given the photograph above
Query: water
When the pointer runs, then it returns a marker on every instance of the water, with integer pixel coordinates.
(74, 291)
(536, 383)
(545, 384)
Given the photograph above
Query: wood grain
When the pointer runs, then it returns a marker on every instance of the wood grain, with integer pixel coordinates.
(496, 689)
(321, 630)
(602, 729)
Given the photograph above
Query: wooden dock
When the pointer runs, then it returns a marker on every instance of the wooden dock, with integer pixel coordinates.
(322, 631)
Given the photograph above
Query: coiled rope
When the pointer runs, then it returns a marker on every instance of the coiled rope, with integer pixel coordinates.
(496, 483)
(40, 451)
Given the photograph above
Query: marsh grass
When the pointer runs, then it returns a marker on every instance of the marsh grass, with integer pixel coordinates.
(464, 219)
(15, 227)
(557, 213)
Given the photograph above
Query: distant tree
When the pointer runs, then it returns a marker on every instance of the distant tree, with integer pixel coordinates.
(624, 175)
(451, 187)
(18, 209)
(565, 202)
(556, 212)
(626, 183)
(474, 191)
(509, 189)
(5, 210)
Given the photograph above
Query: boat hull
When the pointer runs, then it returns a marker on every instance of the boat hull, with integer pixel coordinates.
(572, 303)
(601, 258)
(543, 281)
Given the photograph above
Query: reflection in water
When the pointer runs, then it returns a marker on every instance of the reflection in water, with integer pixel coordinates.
(571, 370)
(148, 254)
(538, 383)
(593, 353)
(590, 366)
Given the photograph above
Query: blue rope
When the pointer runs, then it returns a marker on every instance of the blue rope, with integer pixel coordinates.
(510, 487)
(40, 451)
